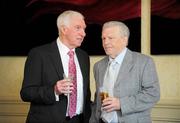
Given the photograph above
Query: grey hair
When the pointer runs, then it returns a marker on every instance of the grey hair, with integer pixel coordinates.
(64, 18)
(124, 30)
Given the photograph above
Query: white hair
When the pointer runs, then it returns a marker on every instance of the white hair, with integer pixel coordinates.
(65, 18)
(124, 30)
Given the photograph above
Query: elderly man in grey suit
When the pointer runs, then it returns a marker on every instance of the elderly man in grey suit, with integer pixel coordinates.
(129, 79)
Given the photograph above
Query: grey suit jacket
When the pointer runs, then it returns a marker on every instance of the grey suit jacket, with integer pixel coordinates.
(137, 88)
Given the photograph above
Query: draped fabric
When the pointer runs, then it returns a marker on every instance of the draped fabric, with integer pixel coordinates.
(102, 10)
(97, 11)
(166, 8)
(35, 20)
(165, 26)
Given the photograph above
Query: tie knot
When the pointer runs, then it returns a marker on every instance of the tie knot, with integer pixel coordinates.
(112, 64)
(71, 53)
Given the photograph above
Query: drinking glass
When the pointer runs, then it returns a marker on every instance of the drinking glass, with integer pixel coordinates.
(68, 78)
(103, 93)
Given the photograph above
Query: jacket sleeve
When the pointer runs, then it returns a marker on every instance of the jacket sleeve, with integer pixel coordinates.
(34, 88)
(95, 115)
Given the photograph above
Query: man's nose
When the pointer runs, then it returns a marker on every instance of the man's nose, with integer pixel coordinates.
(83, 33)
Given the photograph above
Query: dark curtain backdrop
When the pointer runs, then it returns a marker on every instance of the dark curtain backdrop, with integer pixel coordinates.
(165, 27)
(95, 11)
(29, 23)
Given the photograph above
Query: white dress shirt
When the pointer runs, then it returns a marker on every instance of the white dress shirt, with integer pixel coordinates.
(65, 60)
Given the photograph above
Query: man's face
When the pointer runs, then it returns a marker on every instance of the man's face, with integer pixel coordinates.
(75, 32)
(113, 42)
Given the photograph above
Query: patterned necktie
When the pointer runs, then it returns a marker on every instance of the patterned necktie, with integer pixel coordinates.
(73, 95)
(109, 78)
(109, 81)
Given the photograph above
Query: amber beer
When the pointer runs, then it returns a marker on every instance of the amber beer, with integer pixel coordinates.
(103, 95)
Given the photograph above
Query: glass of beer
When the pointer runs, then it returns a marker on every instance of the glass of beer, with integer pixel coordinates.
(103, 93)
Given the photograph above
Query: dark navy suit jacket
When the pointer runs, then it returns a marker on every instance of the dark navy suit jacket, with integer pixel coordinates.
(43, 68)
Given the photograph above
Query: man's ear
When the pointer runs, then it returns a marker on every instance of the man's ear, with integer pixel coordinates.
(63, 29)
(125, 40)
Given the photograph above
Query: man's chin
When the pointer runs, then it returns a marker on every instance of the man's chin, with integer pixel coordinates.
(107, 53)
(78, 45)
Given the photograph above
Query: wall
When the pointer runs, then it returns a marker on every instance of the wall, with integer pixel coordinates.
(13, 110)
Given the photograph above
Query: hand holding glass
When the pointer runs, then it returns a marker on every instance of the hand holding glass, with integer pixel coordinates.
(69, 80)
(103, 93)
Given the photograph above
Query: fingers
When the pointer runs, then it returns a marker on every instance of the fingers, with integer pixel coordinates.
(63, 87)
(107, 105)
(111, 104)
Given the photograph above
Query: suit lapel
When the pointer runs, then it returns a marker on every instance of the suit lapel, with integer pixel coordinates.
(82, 65)
(56, 59)
(102, 71)
(81, 61)
(126, 66)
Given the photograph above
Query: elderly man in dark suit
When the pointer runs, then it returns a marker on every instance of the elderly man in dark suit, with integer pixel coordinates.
(45, 85)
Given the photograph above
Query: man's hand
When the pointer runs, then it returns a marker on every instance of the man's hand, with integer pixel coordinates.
(111, 104)
(63, 87)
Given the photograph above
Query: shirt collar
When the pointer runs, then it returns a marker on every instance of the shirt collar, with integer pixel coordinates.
(119, 58)
(63, 48)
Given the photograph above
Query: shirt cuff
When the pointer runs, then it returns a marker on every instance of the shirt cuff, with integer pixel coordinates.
(56, 96)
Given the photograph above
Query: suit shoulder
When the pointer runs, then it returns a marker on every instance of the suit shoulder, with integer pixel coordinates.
(141, 57)
(102, 61)
(82, 52)
(40, 49)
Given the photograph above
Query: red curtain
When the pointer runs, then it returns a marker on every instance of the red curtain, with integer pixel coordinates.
(166, 8)
(103, 10)
(94, 10)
